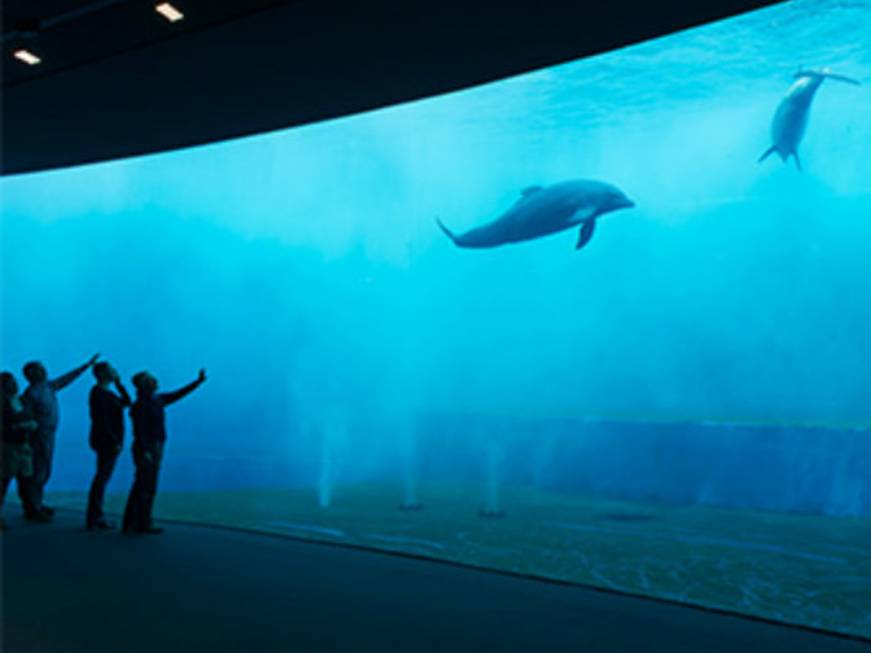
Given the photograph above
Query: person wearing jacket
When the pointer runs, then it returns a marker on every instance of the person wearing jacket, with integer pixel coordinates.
(106, 438)
(149, 436)
(41, 397)
(17, 425)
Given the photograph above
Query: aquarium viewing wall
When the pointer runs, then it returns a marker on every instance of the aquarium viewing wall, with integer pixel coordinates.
(677, 376)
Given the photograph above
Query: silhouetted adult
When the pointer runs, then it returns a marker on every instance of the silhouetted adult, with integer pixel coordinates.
(106, 438)
(17, 426)
(149, 436)
(41, 399)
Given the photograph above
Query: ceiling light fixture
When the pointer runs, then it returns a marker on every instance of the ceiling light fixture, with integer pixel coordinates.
(27, 57)
(169, 12)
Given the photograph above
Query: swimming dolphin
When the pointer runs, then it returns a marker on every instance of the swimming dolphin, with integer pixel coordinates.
(790, 119)
(542, 211)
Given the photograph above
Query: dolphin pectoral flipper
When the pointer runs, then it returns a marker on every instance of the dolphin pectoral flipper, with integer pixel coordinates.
(585, 233)
(766, 154)
(797, 160)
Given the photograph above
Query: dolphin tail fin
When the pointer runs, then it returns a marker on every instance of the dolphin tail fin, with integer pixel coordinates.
(843, 78)
(766, 154)
(825, 73)
(448, 232)
(586, 233)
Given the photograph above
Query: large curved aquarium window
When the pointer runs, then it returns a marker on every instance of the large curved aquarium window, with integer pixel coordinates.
(679, 408)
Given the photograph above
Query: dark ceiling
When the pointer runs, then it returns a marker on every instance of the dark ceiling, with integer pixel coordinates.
(72, 33)
(118, 80)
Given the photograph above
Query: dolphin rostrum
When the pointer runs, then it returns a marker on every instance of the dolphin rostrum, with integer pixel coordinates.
(790, 119)
(546, 210)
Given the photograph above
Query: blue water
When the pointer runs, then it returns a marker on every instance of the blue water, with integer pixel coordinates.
(304, 269)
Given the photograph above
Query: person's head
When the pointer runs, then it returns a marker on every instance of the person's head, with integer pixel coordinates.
(8, 384)
(103, 372)
(145, 383)
(34, 372)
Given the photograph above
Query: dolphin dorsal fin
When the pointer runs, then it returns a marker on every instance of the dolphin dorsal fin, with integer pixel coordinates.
(529, 190)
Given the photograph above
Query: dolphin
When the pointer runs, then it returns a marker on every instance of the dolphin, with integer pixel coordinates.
(790, 119)
(546, 210)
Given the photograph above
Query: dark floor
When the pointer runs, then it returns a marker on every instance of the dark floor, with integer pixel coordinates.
(204, 589)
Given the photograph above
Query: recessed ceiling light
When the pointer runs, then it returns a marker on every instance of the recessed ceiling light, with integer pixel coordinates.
(27, 57)
(169, 12)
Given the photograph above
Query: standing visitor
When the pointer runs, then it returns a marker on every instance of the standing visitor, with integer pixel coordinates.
(16, 456)
(149, 436)
(106, 438)
(41, 398)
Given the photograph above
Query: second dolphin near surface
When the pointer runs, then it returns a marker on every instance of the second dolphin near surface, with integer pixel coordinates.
(546, 210)
(790, 119)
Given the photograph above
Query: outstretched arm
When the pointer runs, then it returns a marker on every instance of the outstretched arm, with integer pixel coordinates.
(172, 397)
(122, 392)
(64, 380)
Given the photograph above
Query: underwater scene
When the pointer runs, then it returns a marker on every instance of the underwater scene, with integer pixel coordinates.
(606, 322)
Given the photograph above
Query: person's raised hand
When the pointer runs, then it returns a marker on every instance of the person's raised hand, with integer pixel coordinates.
(93, 359)
(202, 376)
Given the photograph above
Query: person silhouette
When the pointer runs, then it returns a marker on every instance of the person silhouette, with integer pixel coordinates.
(149, 436)
(106, 437)
(41, 398)
(17, 426)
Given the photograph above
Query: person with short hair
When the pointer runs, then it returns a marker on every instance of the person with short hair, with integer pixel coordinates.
(40, 396)
(106, 438)
(149, 436)
(17, 425)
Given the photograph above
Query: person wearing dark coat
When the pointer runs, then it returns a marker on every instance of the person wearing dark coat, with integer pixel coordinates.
(149, 437)
(17, 426)
(106, 438)
(41, 397)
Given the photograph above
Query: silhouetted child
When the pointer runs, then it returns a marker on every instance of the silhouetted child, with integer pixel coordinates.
(149, 436)
(106, 438)
(41, 399)
(18, 425)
